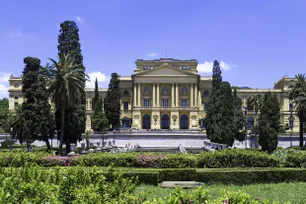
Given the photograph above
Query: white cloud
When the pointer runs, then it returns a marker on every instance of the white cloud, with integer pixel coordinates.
(102, 80)
(152, 54)
(4, 84)
(79, 19)
(208, 66)
(14, 34)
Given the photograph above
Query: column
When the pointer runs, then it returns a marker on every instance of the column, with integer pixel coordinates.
(176, 95)
(88, 123)
(191, 95)
(138, 86)
(199, 100)
(172, 95)
(244, 104)
(195, 95)
(121, 105)
(154, 96)
(134, 94)
(158, 95)
(89, 104)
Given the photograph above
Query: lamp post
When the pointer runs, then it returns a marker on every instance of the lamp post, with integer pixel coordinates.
(245, 113)
(11, 138)
(291, 122)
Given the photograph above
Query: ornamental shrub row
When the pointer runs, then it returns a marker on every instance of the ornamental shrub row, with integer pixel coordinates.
(230, 158)
(93, 186)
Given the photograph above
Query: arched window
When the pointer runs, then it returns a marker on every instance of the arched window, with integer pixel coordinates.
(146, 122)
(250, 122)
(184, 90)
(147, 90)
(16, 97)
(165, 122)
(16, 85)
(205, 93)
(166, 90)
(126, 121)
(184, 122)
(126, 93)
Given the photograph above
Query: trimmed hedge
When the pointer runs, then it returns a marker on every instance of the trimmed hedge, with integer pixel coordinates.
(236, 158)
(243, 177)
(217, 176)
(230, 158)
(296, 159)
(177, 175)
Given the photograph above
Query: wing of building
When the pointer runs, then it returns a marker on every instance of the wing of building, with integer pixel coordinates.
(168, 94)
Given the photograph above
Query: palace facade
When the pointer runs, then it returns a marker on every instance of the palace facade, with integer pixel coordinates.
(168, 94)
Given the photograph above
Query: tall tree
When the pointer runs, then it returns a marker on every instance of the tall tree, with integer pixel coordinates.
(99, 120)
(96, 97)
(69, 43)
(239, 119)
(65, 90)
(269, 123)
(112, 101)
(4, 111)
(36, 108)
(216, 77)
(31, 91)
(228, 128)
(213, 113)
(296, 88)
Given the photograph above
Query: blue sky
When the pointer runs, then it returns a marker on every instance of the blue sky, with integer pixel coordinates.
(258, 41)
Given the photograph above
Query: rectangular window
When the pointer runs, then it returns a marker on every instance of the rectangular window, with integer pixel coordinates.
(165, 103)
(184, 102)
(146, 102)
(126, 105)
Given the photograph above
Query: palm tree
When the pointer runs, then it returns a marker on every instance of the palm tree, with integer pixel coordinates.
(297, 90)
(20, 126)
(66, 87)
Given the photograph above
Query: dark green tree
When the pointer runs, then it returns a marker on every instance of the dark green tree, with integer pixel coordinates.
(96, 97)
(213, 113)
(30, 107)
(112, 101)
(216, 76)
(4, 111)
(228, 128)
(69, 43)
(269, 123)
(240, 133)
(36, 108)
(99, 120)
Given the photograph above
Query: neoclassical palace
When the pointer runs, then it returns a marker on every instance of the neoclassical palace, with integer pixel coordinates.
(168, 93)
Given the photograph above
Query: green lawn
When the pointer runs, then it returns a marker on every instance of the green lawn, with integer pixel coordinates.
(282, 192)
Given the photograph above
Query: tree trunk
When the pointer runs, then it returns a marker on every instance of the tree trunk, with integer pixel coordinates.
(60, 150)
(301, 119)
(47, 143)
(68, 136)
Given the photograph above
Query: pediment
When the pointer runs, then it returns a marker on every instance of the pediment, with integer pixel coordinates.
(165, 71)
